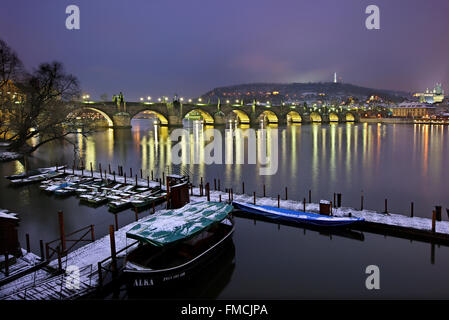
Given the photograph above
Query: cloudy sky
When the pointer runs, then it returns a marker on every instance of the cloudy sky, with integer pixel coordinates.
(162, 47)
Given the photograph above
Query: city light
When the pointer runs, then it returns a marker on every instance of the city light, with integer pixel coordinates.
(148, 98)
(141, 98)
(159, 99)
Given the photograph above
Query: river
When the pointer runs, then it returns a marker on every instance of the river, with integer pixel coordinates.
(402, 163)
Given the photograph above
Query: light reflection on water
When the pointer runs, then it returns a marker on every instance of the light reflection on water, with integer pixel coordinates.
(400, 162)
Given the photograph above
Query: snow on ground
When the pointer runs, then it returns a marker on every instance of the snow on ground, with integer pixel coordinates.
(27, 260)
(99, 250)
(9, 156)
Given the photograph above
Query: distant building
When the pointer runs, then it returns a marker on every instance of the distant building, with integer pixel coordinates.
(413, 110)
(434, 96)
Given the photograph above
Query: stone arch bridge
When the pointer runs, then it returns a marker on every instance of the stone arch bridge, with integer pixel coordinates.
(172, 113)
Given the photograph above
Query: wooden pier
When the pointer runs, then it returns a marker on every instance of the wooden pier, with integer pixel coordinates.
(410, 227)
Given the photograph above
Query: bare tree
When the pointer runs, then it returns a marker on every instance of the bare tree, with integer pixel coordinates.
(41, 105)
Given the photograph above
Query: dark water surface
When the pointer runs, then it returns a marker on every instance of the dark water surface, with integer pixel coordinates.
(403, 163)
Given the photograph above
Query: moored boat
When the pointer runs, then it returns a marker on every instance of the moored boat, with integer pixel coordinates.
(280, 214)
(173, 244)
(36, 178)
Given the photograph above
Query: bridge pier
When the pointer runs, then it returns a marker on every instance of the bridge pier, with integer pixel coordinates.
(121, 120)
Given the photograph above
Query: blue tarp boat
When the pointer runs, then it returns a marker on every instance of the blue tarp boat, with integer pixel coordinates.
(287, 215)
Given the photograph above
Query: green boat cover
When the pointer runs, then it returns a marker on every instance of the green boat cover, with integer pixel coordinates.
(170, 226)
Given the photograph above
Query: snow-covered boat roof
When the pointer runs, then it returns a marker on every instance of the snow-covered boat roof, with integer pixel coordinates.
(170, 226)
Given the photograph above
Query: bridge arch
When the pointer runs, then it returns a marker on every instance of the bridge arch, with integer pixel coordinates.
(84, 108)
(315, 117)
(293, 117)
(162, 118)
(269, 115)
(208, 119)
(333, 117)
(242, 116)
(349, 117)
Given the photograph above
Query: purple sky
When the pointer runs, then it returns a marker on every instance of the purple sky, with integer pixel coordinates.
(159, 47)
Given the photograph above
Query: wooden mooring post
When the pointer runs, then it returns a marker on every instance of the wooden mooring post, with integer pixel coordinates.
(136, 213)
(219, 197)
(438, 213)
(41, 245)
(386, 206)
(254, 193)
(116, 221)
(58, 252)
(91, 170)
(27, 237)
(92, 232)
(264, 190)
(113, 251)
(207, 191)
(286, 193)
(232, 194)
(114, 176)
(99, 166)
(361, 202)
(148, 181)
(411, 209)
(279, 201)
(434, 218)
(243, 187)
(191, 189)
(152, 178)
(61, 230)
(100, 275)
(310, 196)
(124, 175)
(338, 200)
(130, 172)
(304, 204)
(109, 167)
(141, 174)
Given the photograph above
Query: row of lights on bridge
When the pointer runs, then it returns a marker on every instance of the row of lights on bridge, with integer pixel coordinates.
(142, 99)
